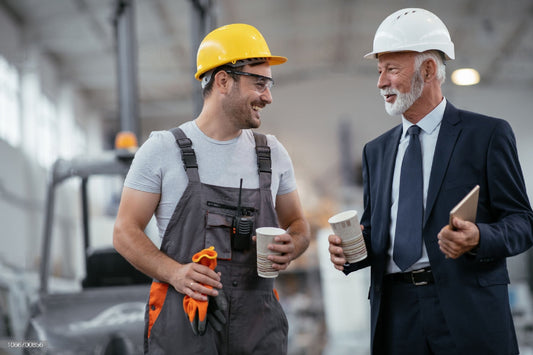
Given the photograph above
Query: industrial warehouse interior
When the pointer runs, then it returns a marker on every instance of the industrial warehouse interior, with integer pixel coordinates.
(75, 73)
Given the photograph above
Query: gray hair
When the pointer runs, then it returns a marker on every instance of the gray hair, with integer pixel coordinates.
(438, 58)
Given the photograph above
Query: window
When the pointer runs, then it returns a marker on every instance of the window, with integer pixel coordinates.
(10, 122)
(50, 128)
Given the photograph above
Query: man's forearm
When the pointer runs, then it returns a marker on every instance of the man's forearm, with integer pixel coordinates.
(300, 232)
(136, 247)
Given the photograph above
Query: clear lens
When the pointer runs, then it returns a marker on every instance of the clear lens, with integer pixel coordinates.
(262, 82)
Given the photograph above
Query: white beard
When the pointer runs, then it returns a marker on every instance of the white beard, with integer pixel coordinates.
(404, 100)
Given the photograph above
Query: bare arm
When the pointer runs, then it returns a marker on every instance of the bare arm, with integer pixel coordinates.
(135, 211)
(291, 218)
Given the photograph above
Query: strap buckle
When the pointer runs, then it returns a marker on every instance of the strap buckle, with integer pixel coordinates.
(187, 153)
(189, 158)
(264, 163)
(413, 278)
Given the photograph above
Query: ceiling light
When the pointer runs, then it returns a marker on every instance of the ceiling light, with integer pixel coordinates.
(465, 76)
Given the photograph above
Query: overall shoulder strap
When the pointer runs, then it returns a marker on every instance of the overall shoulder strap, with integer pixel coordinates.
(264, 161)
(187, 154)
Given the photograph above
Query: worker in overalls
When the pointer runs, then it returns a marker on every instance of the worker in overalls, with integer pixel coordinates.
(210, 183)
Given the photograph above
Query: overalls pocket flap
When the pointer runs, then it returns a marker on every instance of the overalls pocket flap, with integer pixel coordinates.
(218, 234)
(217, 220)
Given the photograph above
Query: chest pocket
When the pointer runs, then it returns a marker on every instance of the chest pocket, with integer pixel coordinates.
(218, 233)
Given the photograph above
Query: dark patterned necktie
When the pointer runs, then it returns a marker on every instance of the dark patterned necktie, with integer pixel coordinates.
(408, 237)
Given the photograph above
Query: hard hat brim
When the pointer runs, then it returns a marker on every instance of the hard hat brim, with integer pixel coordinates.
(371, 55)
(375, 55)
(276, 60)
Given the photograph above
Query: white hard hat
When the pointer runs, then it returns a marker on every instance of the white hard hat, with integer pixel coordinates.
(415, 30)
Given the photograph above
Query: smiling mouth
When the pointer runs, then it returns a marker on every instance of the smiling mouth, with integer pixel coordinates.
(257, 108)
(389, 97)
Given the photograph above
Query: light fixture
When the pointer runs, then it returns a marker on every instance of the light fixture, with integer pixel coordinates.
(465, 76)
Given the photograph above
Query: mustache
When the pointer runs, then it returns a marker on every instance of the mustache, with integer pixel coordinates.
(388, 91)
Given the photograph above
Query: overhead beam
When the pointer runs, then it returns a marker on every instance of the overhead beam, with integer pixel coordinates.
(203, 21)
(11, 12)
(126, 46)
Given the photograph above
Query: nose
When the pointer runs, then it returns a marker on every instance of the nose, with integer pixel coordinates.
(382, 80)
(266, 96)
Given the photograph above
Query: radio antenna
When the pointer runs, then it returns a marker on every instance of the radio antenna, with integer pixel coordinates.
(239, 204)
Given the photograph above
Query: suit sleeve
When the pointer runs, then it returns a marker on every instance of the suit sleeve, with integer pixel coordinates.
(510, 231)
(365, 220)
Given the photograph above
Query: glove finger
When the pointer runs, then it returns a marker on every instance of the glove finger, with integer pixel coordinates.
(219, 316)
(216, 322)
(194, 325)
(201, 326)
(220, 301)
(202, 307)
(190, 307)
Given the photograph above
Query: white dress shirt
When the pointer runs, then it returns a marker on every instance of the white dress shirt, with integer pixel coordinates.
(430, 127)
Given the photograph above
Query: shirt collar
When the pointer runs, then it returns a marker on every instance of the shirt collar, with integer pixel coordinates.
(429, 122)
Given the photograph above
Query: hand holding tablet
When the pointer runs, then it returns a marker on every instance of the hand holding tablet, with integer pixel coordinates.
(466, 209)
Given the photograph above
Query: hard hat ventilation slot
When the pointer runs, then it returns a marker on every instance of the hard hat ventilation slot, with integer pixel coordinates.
(247, 61)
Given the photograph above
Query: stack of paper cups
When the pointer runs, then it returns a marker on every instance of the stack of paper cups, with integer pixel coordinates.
(346, 226)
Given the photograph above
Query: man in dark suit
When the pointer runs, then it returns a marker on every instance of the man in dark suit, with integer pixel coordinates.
(436, 289)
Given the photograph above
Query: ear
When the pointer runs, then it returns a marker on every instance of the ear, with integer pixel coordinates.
(428, 69)
(222, 81)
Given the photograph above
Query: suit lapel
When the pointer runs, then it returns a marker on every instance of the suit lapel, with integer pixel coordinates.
(389, 160)
(448, 134)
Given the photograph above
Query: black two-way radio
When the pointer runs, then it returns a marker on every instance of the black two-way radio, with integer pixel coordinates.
(243, 227)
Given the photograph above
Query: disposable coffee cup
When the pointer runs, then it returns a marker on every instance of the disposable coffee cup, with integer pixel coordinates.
(346, 226)
(265, 236)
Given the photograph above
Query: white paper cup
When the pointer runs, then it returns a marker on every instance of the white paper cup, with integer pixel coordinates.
(346, 226)
(265, 236)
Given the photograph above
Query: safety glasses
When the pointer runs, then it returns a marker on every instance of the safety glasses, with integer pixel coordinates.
(261, 83)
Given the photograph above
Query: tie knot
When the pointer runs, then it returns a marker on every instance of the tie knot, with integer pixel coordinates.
(414, 130)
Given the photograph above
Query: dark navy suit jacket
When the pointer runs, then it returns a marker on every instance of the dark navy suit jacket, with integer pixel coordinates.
(471, 150)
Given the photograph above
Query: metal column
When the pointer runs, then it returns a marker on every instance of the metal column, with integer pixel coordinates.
(126, 47)
(203, 21)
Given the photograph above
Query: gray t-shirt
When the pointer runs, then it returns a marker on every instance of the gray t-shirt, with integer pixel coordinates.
(158, 168)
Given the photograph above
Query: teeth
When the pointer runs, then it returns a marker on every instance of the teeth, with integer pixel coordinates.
(257, 108)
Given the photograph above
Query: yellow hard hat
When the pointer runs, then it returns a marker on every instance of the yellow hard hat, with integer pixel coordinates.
(230, 44)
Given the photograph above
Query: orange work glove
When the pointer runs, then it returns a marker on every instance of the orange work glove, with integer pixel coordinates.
(197, 311)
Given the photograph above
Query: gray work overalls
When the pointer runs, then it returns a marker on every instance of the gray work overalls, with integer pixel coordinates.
(256, 323)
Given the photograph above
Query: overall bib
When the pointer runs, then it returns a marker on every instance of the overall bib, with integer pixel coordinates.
(255, 321)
